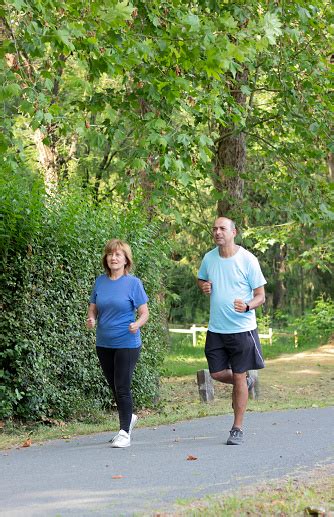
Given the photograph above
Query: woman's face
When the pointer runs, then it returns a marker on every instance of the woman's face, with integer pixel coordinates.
(116, 261)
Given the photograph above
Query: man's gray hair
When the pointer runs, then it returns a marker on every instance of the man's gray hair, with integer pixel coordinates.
(233, 225)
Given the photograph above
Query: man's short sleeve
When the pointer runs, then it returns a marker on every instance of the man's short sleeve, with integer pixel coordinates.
(203, 272)
(255, 275)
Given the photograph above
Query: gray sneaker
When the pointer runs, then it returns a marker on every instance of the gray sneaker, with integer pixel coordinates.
(236, 437)
(253, 384)
(251, 381)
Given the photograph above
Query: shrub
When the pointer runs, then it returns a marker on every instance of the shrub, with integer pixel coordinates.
(49, 365)
(318, 323)
(187, 304)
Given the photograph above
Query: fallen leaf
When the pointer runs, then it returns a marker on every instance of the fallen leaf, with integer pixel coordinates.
(191, 458)
(27, 443)
(117, 477)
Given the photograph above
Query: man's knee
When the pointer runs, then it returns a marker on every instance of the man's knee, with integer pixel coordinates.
(222, 376)
(215, 375)
(239, 378)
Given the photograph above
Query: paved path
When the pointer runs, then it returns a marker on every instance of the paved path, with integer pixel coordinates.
(75, 477)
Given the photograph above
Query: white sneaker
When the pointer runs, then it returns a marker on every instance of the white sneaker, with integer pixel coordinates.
(134, 420)
(122, 439)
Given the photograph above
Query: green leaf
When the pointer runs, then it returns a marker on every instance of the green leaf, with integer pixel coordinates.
(272, 27)
(18, 4)
(115, 13)
(163, 141)
(48, 118)
(48, 84)
(326, 211)
(159, 123)
(228, 21)
(192, 21)
(64, 36)
(26, 107)
(245, 90)
(184, 178)
(9, 91)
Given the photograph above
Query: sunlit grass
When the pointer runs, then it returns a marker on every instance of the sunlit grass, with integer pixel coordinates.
(281, 498)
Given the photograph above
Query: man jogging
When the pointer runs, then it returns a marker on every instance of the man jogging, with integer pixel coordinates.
(233, 278)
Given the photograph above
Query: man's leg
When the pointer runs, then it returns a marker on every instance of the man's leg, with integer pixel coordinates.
(239, 392)
(240, 398)
(225, 376)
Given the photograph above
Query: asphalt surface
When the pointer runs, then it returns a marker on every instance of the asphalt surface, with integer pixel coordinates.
(75, 477)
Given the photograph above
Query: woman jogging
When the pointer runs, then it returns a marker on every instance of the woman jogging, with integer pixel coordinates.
(117, 298)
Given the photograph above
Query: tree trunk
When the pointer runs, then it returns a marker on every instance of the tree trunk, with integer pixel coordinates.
(230, 158)
(330, 162)
(302, 292)
(279, 272)
(47, 158)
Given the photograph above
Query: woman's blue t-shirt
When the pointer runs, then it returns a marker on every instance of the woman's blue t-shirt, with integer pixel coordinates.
(116, 302)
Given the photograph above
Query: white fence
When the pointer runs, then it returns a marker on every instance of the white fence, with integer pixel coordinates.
(193, 330)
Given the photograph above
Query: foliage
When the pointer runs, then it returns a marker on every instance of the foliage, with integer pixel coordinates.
(129, 99)
(186, 302)
(317, 323)
(49, 366)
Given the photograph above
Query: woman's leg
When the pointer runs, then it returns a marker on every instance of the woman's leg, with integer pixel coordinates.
(125, 360)
(106, 357)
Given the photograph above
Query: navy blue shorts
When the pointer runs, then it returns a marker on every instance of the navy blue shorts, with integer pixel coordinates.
(240, 351)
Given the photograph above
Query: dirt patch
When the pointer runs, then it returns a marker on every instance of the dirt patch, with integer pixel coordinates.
(304, 379)
(301, 376)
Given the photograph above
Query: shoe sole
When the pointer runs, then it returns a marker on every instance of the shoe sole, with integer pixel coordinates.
(120, 446)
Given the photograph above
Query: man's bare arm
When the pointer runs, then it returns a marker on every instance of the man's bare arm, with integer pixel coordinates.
(204, 285)
(258, 299)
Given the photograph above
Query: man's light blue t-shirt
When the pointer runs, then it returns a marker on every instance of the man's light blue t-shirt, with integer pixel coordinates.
(232, 277)
(116, 302)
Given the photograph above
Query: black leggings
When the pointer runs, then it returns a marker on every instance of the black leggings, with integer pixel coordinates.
(118, 365)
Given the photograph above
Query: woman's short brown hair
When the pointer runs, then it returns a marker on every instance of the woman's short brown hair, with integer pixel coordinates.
(117, 244)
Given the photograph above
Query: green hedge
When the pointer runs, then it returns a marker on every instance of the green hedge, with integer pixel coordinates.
(49, 366)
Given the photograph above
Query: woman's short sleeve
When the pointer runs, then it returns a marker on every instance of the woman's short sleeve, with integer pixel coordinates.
(139, 296)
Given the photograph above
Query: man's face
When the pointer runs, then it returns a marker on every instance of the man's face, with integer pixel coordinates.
(223, 233)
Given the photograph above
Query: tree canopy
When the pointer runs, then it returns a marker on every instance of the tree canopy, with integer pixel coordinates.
(187, 108)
